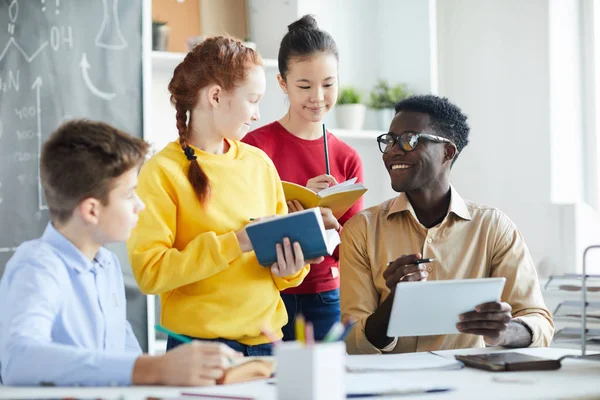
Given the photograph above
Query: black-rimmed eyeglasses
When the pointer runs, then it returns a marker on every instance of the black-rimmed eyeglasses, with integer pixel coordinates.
(408, 141)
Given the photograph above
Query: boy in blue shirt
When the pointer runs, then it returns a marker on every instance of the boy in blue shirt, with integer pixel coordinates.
(62, 320)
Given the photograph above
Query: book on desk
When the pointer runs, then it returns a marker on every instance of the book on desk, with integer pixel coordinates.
(305, 227)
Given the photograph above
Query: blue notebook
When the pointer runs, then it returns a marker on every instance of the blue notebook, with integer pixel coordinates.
(305, 227)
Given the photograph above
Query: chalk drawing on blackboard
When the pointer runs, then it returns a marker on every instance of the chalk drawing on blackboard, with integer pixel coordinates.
(110, 35)
(13, 12)
(85, 66)
(28, 58)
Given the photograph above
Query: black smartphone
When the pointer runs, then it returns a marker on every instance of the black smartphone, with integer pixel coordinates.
(508, 361)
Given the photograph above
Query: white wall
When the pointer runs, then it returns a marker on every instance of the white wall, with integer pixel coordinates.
(268, 21)
(163, 127)
(493, 63)
(515, 67)
(405, 37)
(566, 112)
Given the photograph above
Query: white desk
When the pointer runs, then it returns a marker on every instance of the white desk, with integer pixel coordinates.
(574, 380)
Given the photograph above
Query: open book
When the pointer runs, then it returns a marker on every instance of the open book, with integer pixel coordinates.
(338, 198)
(305, 227)
(248, 369)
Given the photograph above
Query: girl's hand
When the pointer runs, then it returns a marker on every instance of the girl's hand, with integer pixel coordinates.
(320, 182)
(290, 259)
(244, 240)
(329, 220)
(294, 206)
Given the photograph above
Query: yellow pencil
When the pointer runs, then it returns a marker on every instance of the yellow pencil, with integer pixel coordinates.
(300, 328)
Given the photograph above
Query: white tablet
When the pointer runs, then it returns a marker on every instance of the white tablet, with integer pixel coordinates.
(432, 308)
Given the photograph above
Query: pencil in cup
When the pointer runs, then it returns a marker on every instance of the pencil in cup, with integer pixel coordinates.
(309, 333)
(334, 333)
(300, 327)
(347, 328)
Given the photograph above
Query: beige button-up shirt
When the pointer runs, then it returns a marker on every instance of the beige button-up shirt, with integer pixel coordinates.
(473, 241)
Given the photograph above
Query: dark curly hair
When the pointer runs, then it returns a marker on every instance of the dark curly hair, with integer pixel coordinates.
(446, 118)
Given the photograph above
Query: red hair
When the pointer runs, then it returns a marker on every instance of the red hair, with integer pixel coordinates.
(219, 60)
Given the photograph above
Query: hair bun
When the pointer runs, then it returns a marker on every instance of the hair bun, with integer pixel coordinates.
(306, 22)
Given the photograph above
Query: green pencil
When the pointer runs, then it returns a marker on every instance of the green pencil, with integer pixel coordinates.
(181, 338)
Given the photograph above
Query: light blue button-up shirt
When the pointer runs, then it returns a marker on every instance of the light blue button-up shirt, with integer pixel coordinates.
(62, 317)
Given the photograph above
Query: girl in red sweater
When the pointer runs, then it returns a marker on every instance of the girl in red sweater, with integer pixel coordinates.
(308, 66)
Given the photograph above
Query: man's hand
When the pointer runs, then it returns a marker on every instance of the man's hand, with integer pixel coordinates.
(194, 364)
(320, 182)
(489, 320)
(290, 259)
(404, 269)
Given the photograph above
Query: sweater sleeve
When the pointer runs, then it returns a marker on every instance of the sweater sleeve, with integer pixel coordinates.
(157, 265)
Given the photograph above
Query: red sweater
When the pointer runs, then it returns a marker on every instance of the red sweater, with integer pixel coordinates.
(297, 160)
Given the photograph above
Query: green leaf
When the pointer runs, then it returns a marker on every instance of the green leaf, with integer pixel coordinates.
(349, 95)
(385, 96)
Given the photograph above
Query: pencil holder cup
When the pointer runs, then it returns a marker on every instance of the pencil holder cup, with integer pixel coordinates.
(311, 372)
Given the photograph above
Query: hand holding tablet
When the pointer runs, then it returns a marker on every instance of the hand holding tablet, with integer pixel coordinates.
(441, 303)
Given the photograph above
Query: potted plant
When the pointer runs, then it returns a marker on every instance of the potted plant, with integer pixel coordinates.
(160, 35)
(349, 112)
(383, 99)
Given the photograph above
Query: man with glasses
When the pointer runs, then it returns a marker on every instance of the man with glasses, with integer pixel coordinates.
(381, 245)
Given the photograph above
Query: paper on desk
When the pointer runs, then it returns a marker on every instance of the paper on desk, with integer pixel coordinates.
(386, 382)
(399, 362)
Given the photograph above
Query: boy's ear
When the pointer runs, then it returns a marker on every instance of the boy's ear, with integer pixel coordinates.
(89, 210)
(282, 83)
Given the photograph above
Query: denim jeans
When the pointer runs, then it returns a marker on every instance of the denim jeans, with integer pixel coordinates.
(321, 309)
(247, 350)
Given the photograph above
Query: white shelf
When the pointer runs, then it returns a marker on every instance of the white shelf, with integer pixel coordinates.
(167, 59)
(352, 134)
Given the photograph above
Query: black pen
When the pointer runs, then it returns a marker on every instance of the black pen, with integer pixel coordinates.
(327, 171)
(397, 392)
(419, 261)
(424, 260)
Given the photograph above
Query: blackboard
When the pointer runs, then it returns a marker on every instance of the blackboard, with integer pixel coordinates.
(61, 59)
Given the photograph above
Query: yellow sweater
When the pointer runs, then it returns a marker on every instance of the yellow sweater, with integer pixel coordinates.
(190, 255)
